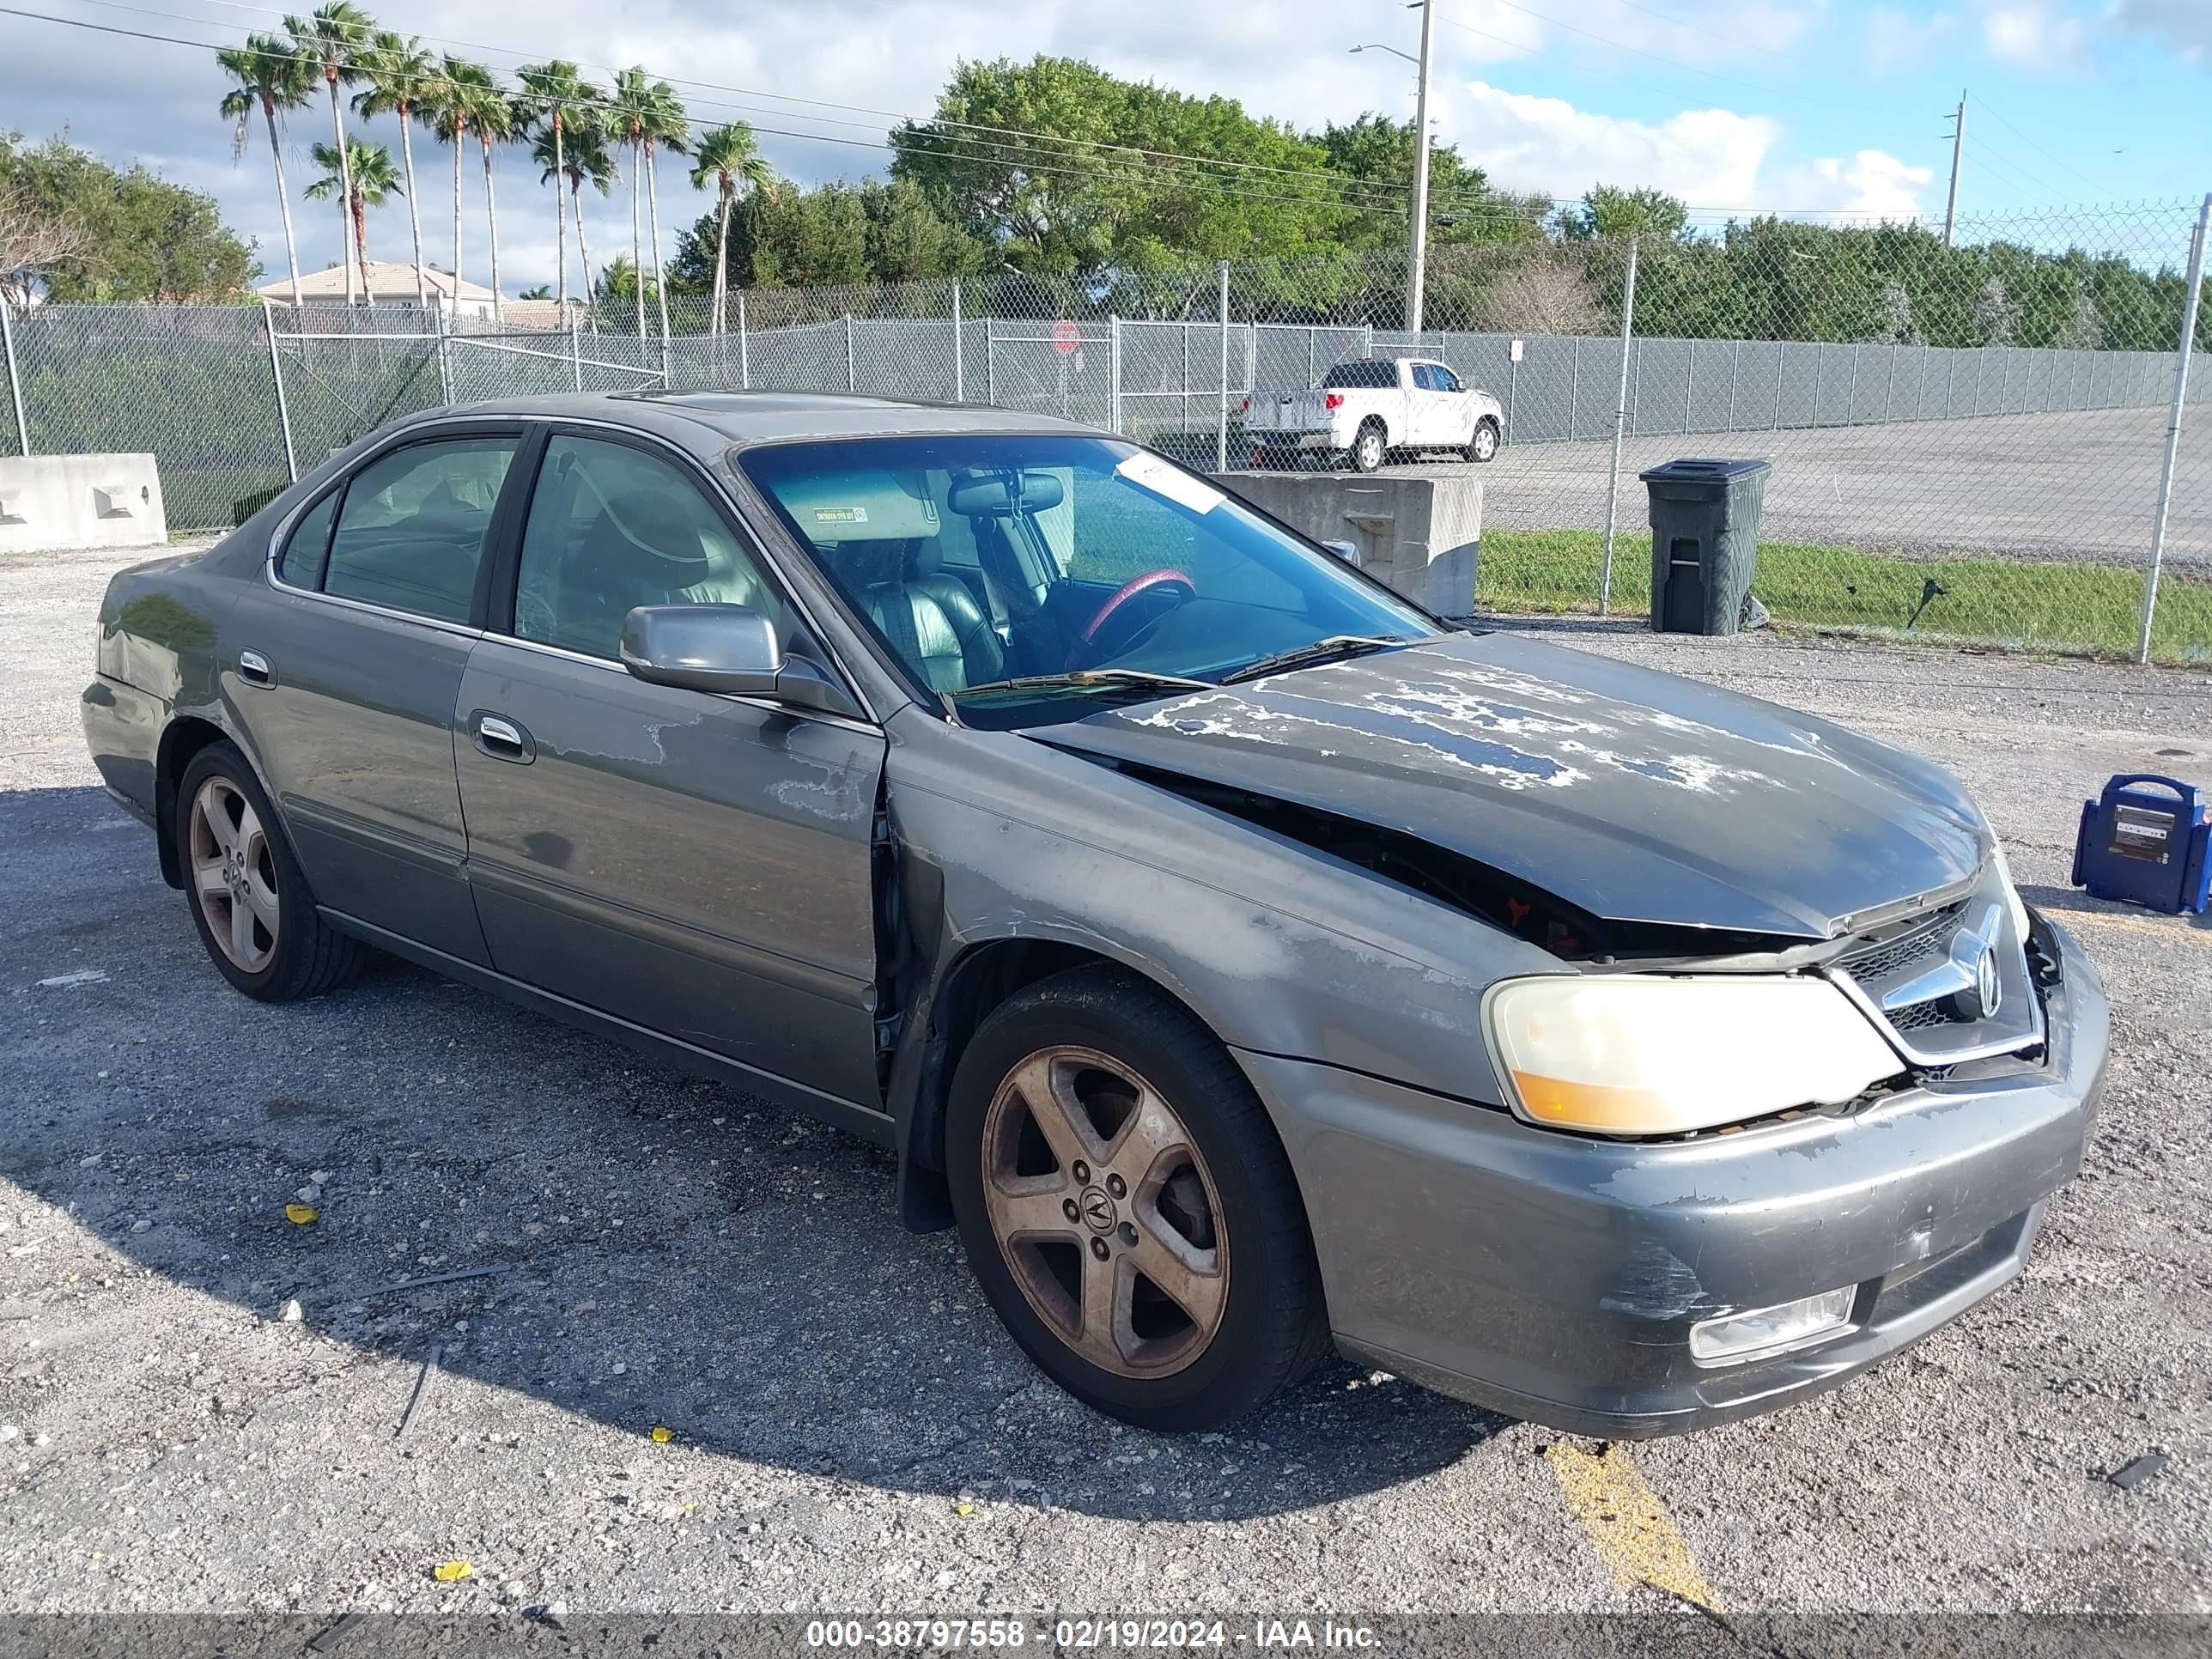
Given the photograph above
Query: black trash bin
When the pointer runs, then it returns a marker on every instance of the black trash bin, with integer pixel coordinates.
(1704, 542)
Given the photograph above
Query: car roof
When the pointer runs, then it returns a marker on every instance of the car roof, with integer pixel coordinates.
(710, 421)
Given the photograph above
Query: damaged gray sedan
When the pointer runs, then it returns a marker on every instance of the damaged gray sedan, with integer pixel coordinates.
(1247, 962)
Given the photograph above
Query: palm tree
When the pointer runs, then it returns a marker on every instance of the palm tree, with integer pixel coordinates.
(272, 76)
(726, 156)
(554, 95)
(334, 37)
(627, 113)
(585, 158)
(362, 177)
(665, 128)
(400, 75)
(480, 104)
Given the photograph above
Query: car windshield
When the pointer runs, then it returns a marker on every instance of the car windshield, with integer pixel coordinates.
(1030, 577)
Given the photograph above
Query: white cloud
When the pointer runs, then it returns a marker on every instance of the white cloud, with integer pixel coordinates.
(1692, 31)
(2033, 35)
(1705, 156)
(1895, 39)
(1871, 182)
(2184, 24)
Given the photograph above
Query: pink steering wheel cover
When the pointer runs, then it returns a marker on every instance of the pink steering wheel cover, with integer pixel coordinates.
(1121, 595)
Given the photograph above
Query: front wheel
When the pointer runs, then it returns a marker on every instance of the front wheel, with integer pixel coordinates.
(1483, 445)
(1127, 1206)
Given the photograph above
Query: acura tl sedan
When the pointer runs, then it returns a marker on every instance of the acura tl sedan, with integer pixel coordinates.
(1245, 961)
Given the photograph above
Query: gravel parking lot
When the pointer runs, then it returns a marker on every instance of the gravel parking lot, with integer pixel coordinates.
(849, 1429)
(2037, 486)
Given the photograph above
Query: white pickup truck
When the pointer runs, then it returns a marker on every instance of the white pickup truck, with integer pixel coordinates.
(1370, 406)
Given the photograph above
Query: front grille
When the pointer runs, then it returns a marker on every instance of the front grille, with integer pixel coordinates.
(1900, 978)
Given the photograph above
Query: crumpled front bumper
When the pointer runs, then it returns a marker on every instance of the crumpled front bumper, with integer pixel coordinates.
(1556, 1278)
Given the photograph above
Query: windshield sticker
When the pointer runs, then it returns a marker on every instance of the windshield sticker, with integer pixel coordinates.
(840, 516)
(1151, 472)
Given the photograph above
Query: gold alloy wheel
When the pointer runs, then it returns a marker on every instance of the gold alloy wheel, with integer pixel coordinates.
(234, 875)
(1105, 1213)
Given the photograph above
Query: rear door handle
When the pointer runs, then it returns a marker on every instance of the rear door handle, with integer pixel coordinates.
(503, 740)
(253, 668)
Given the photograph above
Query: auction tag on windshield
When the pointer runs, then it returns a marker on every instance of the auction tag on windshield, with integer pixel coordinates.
(840, 516)
(1184, 488)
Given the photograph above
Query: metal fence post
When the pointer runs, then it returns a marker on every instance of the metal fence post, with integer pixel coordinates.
(1221, 438)
(990, 359)
(1781, 369)
(1620, 431)
(1735, 374)
(851, 384)
(2196, 288)
(1574, 383)
(1113, 372)
(745, 348)
(14, 378)
(276, 374)
(445, 354)
(575, 353)
(958, 387)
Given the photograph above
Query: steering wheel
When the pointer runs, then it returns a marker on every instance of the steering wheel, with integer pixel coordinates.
(1172, 585)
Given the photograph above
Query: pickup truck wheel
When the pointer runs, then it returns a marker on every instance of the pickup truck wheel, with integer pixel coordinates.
(1483, 445)
(1127, 1206)
(249, 900)
(1370, 448)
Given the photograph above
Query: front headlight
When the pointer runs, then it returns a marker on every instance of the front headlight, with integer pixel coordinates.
(1635, 1055)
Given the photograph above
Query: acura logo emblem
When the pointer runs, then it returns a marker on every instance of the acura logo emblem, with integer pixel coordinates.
(1098, 1210)
(1988, 989)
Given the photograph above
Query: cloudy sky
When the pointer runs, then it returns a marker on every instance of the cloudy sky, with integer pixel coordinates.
(1804, 106)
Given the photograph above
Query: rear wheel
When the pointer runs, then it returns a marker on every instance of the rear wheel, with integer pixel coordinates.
(250, 901)
(1483, 445)
(1370, 448)
(1127, 1206)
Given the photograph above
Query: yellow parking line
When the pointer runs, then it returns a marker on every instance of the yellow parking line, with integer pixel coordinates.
(1626, 1524)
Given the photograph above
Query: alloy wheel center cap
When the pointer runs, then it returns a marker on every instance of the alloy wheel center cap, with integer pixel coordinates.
(1099, 1213)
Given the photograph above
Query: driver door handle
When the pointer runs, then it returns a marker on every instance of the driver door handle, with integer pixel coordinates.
(503, 738)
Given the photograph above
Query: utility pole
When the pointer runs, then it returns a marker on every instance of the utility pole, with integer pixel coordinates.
(1958, 137)
(1418, 254)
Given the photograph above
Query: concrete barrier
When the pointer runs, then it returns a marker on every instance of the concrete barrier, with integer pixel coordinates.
(80, 500)
(1423, 535)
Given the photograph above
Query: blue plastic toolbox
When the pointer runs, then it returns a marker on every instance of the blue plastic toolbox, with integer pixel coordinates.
(2145, 840)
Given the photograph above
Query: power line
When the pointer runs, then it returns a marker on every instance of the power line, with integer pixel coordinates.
(2031, 142)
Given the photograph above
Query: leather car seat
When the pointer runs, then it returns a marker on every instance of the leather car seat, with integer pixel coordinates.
(931, 619)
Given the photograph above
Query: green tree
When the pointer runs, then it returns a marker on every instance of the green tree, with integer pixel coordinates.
(1099, 191)
(554, 95)
(272, 76)
(363, 178)
(336, 37)
(727, 159)
(101, 233)
(832, 235)
(1618, 213)
(401, 74)
(481, 103)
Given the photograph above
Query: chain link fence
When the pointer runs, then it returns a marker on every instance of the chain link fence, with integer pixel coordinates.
(1978, 440)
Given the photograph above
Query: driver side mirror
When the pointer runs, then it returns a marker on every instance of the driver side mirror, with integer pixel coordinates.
(724, 649)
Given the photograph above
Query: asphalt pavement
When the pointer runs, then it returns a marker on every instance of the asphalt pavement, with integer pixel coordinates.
(202, 1400)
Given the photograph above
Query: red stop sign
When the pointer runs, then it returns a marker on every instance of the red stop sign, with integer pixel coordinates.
(1066, 338)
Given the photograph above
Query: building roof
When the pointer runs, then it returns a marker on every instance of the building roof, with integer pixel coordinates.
(385, 281)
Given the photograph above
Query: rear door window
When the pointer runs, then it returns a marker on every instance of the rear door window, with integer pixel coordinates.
(411, 534)
(307, 549)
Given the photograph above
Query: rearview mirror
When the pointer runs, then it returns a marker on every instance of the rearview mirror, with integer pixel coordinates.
(727, 648)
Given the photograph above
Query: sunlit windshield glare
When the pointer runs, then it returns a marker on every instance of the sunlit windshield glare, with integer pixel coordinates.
(983, 559)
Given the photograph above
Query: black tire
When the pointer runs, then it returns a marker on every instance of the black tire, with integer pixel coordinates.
(309, 958)
(1477, 450)
(1274, 1327)
(1370, 448)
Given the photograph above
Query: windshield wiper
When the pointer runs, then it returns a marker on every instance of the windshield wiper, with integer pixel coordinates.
(1092, 679)
(1335, 648)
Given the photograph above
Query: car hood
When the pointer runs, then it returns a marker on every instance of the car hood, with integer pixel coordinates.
(1638, 796)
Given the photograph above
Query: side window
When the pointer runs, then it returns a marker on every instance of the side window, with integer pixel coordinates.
(411, 532)
(611, 527)
(1425, 378)
(307, 549)
(1445, 379)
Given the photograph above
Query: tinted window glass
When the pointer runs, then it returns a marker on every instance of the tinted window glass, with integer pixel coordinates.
(307, 549)
(611, 527)
(1091, 517)
(1366, 373)
(1425, 378)
(1445, 379)
(411, 532)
